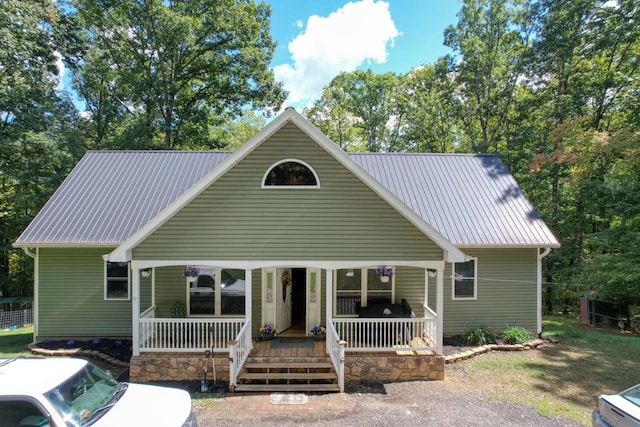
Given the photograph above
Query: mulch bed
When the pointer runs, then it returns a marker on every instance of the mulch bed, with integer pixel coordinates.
(116, 349)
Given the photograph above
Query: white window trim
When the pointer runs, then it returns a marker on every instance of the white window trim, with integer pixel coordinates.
(475, 281)
(106, 281)
(292, 187)
(363, 288)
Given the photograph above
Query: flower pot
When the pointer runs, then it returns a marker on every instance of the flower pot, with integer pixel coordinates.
(384, 279)
(320, 337)
(267, 336)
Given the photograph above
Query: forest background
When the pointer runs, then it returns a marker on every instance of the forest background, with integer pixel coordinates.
(550, 86)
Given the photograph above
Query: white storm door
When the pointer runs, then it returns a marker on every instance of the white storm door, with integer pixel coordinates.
(283, 299)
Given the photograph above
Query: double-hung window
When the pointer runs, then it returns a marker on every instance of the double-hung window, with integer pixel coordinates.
(360, 287)
(465, 280)
(116, 283)
(216, 292)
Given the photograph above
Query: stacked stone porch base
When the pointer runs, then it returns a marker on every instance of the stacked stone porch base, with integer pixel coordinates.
(383, 367)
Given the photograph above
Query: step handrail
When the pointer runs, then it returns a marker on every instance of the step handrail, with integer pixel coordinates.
(239, 350)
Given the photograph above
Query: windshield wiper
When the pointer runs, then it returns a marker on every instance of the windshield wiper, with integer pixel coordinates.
(98, 413)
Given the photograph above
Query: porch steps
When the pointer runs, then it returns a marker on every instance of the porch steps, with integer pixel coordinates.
(285, 374)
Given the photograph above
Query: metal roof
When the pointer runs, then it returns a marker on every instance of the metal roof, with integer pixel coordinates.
(109, 195)
(470, 199)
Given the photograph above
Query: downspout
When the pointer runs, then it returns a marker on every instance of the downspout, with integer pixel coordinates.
(539, 287)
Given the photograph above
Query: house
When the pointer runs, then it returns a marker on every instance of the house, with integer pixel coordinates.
(289, 230)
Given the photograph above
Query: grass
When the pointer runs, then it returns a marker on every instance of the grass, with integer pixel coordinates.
(561, 379)
(14, 343)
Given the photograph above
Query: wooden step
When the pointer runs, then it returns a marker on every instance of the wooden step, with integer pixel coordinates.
(288, 387)
(301, 376)
(286, 365)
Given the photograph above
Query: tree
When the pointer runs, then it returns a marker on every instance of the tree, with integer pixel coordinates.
(32, 159)
(428, 108)
(491, 37)
(361, 105)
(168, 67)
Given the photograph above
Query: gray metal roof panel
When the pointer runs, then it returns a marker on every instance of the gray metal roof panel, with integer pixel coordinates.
(471, 200)
(109, 195)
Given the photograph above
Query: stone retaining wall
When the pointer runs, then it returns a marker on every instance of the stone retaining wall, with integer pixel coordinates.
(177, 367)
(393, 367)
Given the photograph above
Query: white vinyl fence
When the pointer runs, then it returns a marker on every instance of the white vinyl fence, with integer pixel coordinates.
(16, 318)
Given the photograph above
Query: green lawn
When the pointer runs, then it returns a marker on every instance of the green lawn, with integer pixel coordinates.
(14, 343)
(561, 379)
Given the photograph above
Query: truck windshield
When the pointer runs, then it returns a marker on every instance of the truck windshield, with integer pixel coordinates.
(86, 392)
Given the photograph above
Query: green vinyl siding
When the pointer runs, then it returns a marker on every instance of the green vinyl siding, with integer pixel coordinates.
(237, 219)
(409, 282)
(506, 293)
(71, 296)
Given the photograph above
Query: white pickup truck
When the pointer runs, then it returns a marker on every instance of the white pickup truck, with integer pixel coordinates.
(72, 392)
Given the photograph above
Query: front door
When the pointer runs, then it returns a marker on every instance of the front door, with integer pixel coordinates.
(299, 297)
(283, 299)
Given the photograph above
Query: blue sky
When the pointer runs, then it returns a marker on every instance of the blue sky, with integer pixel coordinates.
(318, 39)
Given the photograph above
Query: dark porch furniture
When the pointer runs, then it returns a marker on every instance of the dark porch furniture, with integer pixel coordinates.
(386, 310)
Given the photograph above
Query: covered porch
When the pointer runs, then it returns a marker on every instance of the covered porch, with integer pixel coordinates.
(349, 339)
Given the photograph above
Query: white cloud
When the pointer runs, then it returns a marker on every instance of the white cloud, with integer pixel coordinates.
(355, 33)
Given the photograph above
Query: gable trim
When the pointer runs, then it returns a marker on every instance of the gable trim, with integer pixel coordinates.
(123, 252)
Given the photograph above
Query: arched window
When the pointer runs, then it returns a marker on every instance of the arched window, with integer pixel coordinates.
(291, 173)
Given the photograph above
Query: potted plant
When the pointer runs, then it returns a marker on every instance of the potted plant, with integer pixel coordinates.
(267, 331)
(385, 273)
(319, 332)
(191, 273)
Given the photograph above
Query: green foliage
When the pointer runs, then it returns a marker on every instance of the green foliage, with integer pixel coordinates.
(154, 73)
(516, 335)
(478, 336)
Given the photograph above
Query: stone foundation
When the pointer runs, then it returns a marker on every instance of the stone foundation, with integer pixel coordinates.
(393, 367)
(177, 367)
(384, 367)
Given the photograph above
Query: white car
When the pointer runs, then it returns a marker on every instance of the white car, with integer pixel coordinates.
(618, 410)
(60, 392)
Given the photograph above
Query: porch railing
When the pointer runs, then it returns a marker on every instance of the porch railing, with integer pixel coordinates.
(188, 335)
(377, 334)
(335, 348)
(239, 351)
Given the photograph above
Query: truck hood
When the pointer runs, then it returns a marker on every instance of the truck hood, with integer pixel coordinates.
(148, 405)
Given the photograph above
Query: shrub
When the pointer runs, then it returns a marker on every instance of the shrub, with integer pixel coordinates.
(516, 335)
(477, 336)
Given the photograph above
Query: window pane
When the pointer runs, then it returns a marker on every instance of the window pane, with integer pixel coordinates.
(464, 284)
(290, 173)
(349, 279)
(117, 280)
(233, 291)
(348, 291)
(202, 292)
(117, 289)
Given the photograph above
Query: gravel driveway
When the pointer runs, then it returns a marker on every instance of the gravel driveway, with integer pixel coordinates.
(431, 403)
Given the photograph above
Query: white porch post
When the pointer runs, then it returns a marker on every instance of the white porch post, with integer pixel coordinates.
(135, 312)
(247, 296)
(440, 309)
(329, 295)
